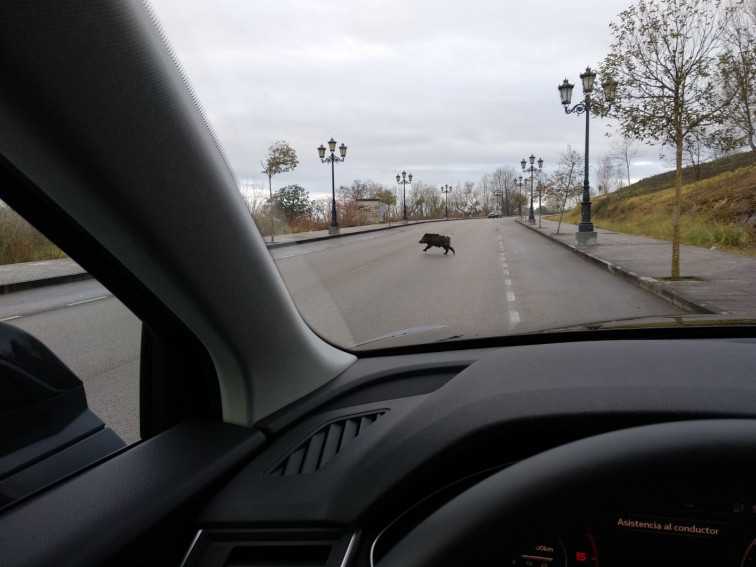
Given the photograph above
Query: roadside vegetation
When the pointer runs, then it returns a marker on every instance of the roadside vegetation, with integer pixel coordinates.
(21, 242)
(718, 206)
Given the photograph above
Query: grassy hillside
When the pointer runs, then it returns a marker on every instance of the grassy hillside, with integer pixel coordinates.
(20, 242)
(718, 208)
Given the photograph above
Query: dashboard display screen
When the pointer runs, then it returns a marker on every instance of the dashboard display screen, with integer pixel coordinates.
(662, 541)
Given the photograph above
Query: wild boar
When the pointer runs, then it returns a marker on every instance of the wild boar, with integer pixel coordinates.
(437, 240)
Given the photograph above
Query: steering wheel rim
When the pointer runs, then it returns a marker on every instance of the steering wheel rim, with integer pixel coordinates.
(641, 463)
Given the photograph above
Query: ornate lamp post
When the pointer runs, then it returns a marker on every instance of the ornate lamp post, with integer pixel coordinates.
(446, 189)
(585, 236)
(519, 192)
(402, 180)
(532, 170)
(332, 159)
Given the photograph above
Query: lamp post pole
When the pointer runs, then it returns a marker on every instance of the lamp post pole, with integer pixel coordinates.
(540, 207)
(332, 159)
(519, 195)
(402, 180)
(532, 170)
(446, 189)
(585, 236)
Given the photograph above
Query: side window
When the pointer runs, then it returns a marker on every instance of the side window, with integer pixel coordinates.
(49, 296)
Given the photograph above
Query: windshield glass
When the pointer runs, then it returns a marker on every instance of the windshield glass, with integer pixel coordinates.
(418, 169)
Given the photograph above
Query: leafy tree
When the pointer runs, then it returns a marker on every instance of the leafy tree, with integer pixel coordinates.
(665, 59)
(386, 197)
(280, 159)
(293, 201)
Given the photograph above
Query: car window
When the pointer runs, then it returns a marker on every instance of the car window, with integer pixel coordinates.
(357, 135)
(54, 299)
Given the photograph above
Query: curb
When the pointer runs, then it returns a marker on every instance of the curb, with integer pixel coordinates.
(645, 283)
(31, 284)
(340, 235)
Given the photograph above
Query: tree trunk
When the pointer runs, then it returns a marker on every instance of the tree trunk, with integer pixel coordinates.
(676, 209)
(270, 207)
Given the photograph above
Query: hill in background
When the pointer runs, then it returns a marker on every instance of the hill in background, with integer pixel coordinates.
(718, 206)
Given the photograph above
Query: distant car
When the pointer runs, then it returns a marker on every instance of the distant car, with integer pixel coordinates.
(494, 215)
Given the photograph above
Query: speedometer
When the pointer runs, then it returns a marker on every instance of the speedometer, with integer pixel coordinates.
(565, 551)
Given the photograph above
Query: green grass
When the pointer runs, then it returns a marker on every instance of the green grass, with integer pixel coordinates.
(718, 206)
(20, 242)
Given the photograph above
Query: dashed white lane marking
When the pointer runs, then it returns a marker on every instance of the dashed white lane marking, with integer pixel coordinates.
(11, 318)
(513, 316)
(86, 301)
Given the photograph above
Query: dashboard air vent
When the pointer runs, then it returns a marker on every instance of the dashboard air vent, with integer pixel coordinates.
(323, 445)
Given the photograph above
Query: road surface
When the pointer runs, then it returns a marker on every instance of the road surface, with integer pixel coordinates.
(504, 279)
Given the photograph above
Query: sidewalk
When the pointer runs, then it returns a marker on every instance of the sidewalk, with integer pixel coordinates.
(16, 277)
(725, 283)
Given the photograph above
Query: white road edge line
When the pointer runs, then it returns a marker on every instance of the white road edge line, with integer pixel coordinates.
(11, 318)
(86, 301)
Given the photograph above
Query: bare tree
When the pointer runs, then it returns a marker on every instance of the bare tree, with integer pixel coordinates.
(503, 183)
(466, 199)
(320, 210)
(738, 71)
(359, 189)
(253, 197)
(280, 159)
(565, 182)
(606, 175)
(624, 150)
(665, 58)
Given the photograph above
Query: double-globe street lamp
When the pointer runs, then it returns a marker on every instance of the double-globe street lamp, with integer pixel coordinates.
(532, 170)
(446, 189)
(586, 236)
(402, 180)
(332, 159)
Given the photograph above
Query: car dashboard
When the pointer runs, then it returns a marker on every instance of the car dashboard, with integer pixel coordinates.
(358, 465)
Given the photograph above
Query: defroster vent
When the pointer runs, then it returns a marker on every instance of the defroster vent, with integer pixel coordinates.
(323, 445)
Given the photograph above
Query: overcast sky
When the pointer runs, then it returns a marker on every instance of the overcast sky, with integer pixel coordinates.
(446, 90)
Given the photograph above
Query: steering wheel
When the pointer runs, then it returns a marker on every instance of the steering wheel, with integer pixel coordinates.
(658, 463)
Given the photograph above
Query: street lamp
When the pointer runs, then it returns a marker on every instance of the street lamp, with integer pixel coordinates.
(332, 159)
(446, 189)
(402, 180)
(519, 196)
(532, 170)
(586, 236)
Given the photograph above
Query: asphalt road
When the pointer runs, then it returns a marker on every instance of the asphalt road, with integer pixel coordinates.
(503, 279)
(95, 336)
(377, 289)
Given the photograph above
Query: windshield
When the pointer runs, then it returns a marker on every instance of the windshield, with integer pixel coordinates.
(418, 169)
